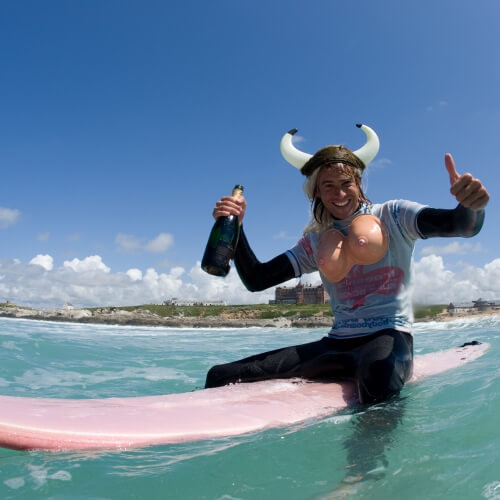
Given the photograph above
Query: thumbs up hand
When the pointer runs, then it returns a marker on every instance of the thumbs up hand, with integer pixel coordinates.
(468, 190)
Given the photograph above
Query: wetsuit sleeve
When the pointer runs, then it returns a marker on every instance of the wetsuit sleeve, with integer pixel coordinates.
(461, 221)
(255, 275)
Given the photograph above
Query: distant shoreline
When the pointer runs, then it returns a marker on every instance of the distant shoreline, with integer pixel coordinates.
(143, 317)
(140, 317)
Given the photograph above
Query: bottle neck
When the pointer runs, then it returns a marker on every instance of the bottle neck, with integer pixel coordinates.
(237, 192)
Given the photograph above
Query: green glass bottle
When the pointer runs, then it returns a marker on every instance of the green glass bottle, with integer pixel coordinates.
(222, 242)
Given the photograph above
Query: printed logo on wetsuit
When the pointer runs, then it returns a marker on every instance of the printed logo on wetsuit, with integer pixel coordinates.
(356, 286)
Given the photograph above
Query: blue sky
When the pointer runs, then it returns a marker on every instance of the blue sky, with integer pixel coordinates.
(123, 122)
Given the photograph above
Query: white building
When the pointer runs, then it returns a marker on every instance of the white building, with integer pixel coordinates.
(179, 302)
(475, 306)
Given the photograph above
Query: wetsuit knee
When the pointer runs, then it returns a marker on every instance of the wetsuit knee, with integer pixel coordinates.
(380, 380)
(385, 366)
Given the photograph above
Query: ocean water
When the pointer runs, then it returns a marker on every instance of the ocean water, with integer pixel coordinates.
(439, 439)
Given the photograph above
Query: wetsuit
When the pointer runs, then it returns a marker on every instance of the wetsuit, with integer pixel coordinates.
(370, 340)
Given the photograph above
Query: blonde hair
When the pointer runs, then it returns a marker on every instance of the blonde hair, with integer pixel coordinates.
(321, 219)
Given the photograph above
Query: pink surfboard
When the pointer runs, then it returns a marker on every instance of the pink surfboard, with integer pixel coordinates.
(120, 423)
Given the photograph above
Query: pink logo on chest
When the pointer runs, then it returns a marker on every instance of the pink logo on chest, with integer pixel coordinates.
(357, 285)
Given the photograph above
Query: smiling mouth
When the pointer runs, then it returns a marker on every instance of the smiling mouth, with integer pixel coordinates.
(342, 204)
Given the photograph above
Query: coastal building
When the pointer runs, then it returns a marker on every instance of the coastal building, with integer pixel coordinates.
(300, 294)
(476, 306)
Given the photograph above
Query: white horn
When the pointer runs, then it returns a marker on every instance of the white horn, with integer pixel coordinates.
(371, 147)
(291, 154)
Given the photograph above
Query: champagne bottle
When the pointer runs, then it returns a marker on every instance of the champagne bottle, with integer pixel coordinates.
(222, 242)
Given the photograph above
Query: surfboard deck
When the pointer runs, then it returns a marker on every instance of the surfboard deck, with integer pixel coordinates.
(120, 423)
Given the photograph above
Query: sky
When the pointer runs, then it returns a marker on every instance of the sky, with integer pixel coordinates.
(123, 121)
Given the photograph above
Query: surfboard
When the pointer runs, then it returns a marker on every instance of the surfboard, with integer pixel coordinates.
(121, 423)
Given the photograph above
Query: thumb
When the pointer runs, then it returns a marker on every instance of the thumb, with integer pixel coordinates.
(450, 167)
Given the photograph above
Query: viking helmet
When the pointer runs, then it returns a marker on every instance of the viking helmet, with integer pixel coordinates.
(307, 163)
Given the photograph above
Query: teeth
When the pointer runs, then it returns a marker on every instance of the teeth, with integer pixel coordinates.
(343, 204)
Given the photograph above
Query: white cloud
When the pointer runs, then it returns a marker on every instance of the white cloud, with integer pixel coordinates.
(92, 263)
(46, 261)
(43, 236)
(160, 244)
(439, 105)
(453, 248)
(134, 274)
(130, 244)
(282, 235)
(297, 138)
(89, 282)
(127, 243)
(379, 163)
(313, 279)
(434, 284)
(8, 216)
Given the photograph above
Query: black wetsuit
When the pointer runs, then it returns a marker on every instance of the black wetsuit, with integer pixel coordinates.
(380, 363)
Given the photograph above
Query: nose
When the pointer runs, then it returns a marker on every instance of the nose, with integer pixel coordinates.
(339, 192)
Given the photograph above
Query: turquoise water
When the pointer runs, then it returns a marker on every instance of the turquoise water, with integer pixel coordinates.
(439, 439)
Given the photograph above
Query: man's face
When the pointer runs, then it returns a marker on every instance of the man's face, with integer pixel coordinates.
(338, 191)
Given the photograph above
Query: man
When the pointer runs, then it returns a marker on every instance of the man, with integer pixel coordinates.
(370, 340)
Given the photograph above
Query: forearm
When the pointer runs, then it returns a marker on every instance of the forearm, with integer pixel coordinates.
(255, 275)
(460, 221)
